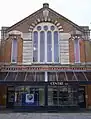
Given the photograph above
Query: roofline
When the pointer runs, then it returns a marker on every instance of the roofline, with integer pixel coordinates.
(69, 21)
(23, 20)
(65, 19)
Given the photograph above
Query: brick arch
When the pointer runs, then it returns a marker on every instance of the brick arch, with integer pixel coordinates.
(37, 21)
(82, 51)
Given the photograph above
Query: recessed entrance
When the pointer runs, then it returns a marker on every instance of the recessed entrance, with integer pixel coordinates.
(3, 91)
(10, 97)
(81, 97)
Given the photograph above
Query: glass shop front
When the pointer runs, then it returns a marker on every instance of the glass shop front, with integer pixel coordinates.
(33, 93)
(46, 97)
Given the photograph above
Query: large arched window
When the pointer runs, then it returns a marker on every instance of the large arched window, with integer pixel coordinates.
(45, 43)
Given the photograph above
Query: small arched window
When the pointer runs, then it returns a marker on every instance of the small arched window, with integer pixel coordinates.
(77, 50)
(14, 51)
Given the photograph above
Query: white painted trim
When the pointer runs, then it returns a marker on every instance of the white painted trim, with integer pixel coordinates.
(38, 47)
(46, 76)
(79, 49)
(15, 32)
(45, 46)
(27, 52)
(32, 46)
(59, 47)
(52, 46)
(11, 51)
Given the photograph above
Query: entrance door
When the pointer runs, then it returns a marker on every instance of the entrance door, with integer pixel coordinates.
(3, 92)
(81, 97)
(10, 97)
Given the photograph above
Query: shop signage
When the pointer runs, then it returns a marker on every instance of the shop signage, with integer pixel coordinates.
(57, 83)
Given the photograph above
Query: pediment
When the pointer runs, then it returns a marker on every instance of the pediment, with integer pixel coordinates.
(45, 15)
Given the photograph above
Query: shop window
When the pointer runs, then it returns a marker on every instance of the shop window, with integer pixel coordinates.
(62, 96)
(29, 96)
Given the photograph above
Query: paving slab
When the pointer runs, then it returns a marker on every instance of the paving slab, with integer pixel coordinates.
(45, 115)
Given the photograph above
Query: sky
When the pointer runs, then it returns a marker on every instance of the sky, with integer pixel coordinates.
(12, 11)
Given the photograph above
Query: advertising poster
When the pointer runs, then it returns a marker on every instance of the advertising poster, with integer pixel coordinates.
(29, 98)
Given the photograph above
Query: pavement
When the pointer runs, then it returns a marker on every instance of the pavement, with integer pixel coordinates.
(9, 115)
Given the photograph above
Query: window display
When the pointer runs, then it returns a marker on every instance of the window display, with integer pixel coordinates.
(29, 96)
(62, 96)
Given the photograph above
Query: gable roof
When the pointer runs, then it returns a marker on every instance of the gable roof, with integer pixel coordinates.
(51, 10)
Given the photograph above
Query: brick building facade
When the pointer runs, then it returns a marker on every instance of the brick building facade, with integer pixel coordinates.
(45, 62)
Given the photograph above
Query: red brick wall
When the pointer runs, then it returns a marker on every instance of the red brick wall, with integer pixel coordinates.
(6, 57)
(85, 51)
(7, 50)
(20, 50)
(88, 51)
(82, 51)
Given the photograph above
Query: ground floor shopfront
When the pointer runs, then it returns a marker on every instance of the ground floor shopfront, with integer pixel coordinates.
(31, 97)
(31, 92)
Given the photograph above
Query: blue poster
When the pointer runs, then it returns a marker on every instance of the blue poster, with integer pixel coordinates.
(29, 99)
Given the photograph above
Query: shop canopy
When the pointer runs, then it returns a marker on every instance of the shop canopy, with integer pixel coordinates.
(40, 76)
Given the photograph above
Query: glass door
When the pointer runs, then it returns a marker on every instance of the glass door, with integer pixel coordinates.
(10, 97)
(81, 97)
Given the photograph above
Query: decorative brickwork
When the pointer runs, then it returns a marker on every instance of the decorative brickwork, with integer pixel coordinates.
(82, 51)
(7, 50)
(20, 50)
(88, 51)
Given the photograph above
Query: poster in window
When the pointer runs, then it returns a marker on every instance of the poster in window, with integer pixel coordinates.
(29, 98)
